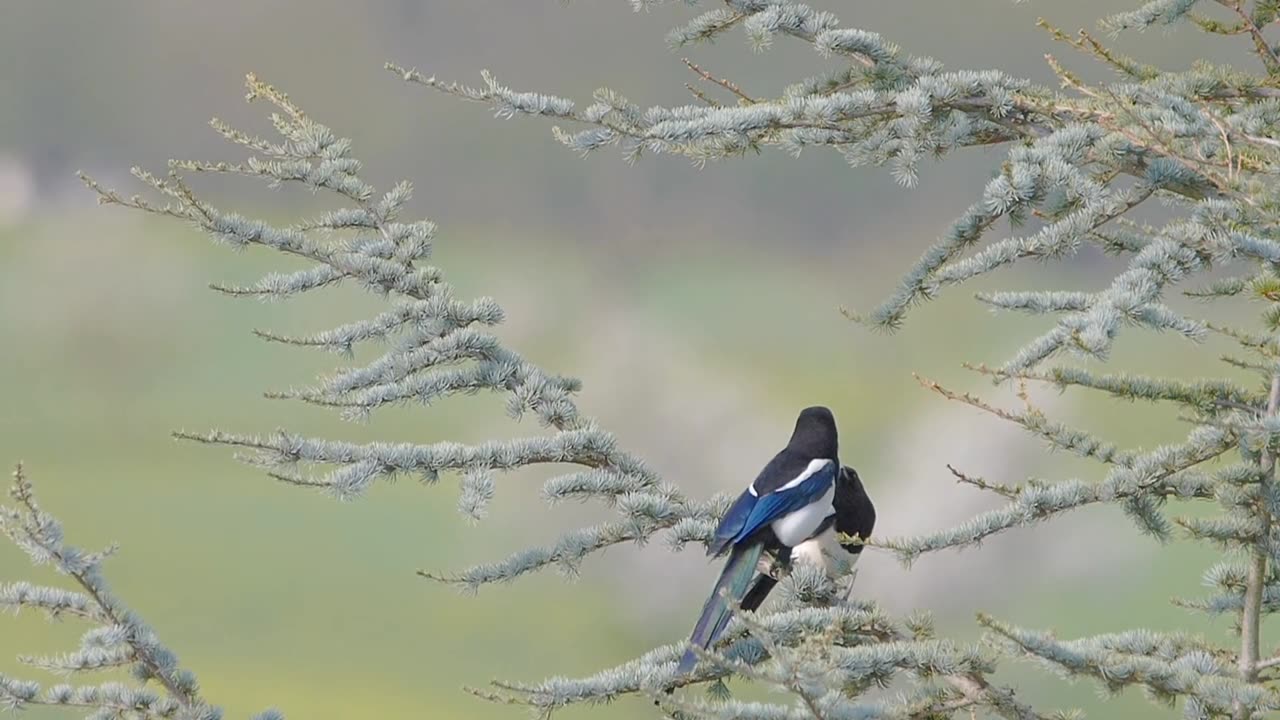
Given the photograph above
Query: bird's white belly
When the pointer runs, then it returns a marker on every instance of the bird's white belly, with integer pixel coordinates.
(820, 552)
(794, 528)
(813, 553)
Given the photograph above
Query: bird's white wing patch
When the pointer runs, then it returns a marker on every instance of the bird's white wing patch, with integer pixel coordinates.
(796, 527)
(814, 466)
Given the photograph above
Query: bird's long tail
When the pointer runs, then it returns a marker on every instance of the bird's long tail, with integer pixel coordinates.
(730, 589)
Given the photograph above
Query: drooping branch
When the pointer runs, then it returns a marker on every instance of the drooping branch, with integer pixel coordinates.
(437, 346)
(119, 638)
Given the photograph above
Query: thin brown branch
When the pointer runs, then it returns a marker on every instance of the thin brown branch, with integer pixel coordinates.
(722, 82)
(1266, 664)
(1086, 43)
(970, 400)
(708, 101)
(978, 691)
(1261, 46)
(1217, 27)
(998, 488)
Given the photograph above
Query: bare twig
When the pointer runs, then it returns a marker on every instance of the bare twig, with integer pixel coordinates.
(998, 488)
(709, 101)
(1260, 45)
(726, 84)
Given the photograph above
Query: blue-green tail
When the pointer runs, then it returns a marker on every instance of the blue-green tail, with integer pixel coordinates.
(732, 586)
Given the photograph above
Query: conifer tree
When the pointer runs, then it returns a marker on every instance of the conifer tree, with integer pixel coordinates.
(1083, 160)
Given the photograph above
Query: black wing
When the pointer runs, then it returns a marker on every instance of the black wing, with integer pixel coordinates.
(782, 469)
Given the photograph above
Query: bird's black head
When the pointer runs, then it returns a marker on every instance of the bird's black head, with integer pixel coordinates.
(855, 514)
(815, 434)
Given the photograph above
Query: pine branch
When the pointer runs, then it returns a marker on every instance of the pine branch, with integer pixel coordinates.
(1034, 421)
(1139, 484)
(1082, 161)
(1169, 667)
(120, 639)
(37, 533)
(784, 650)
(437, 345)
(1206, 396)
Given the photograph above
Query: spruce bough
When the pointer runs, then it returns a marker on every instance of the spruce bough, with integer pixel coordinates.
(1083, 160)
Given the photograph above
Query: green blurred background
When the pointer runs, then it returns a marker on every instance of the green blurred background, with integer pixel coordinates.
(699, 306)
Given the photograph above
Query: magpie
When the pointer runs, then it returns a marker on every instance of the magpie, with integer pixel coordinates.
(802, 493)
(855, 516)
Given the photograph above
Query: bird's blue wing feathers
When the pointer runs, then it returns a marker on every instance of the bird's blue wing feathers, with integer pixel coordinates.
(782, 502)
(731, 523)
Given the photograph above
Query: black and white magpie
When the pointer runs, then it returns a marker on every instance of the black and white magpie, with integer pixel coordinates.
(854, 516)
(801, 494)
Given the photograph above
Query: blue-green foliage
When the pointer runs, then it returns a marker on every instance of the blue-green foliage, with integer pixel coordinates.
(434, 345)
(117, 639)
(1081, 159)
